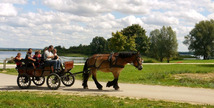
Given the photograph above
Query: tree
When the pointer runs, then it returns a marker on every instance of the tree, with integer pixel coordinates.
(141, 40)
(98, 45)
(163, 43)
(117, 42)
(201, 39)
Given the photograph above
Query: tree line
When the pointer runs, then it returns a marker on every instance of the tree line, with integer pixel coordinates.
(160, 44)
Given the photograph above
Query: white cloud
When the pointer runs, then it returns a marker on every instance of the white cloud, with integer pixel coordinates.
(74, 22)
(160, 19)
(96, 7)
(7, 9)
(14, 1)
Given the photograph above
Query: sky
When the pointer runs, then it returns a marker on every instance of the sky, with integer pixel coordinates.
(40, 23)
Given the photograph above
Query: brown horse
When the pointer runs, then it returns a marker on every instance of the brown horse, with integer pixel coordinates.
(109, 63)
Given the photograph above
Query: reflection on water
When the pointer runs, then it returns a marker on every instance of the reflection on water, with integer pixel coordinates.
(9, 54)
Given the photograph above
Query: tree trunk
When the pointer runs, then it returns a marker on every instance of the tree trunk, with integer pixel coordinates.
(167, 59)
(205, 57)
(161, 59)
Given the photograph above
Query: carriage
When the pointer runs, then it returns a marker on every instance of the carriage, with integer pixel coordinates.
(27, 73)
(114, 63)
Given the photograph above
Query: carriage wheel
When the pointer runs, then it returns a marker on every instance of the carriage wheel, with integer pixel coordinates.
(23, 81)
(68, 79)
(38, 81)
(53, 81)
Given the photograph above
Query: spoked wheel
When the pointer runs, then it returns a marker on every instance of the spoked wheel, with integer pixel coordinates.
(38, 81)
(23, 81)
(68, 79)
(53, 81)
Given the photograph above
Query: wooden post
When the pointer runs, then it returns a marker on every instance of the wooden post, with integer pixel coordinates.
(4, 64)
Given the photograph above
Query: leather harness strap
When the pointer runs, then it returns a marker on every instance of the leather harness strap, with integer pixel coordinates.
(111, 62)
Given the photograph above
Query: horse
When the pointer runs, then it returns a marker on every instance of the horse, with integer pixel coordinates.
(114, 62)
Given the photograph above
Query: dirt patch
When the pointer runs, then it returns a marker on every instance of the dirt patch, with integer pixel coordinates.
(197, 76)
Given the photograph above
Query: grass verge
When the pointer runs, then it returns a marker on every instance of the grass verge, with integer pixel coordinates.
(56, 100)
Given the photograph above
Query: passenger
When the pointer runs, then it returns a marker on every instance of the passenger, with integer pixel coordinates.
(37, 58)
(29, 57)
(48, 56)
(39, 55)
(18, 58)
(56, 57)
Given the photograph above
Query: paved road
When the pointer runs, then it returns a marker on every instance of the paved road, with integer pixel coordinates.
(177, 94)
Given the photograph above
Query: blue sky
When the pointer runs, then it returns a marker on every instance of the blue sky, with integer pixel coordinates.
(39, 23)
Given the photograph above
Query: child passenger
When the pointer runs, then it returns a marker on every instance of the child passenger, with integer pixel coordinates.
(18, 58)
(37, 58)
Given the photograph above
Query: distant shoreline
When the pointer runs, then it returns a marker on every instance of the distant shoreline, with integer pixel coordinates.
(18, 49)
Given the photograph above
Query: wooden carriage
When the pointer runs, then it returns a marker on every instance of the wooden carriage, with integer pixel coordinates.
(28, 73)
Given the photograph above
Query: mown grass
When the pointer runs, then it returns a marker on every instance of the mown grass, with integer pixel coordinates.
(159, 75)
(55, 100)
(192, 61)
(153, 74)
(73, 55)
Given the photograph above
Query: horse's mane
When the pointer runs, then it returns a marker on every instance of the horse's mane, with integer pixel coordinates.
(126, 54)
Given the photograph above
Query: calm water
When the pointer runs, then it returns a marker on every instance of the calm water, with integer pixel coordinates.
(9, 54)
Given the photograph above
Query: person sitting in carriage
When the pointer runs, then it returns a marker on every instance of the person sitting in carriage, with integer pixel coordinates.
(48, 56)
(37, 58)
(18, 59)
(29, 58)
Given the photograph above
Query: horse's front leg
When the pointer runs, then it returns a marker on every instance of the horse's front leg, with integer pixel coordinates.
(114, 83)
(94, 77)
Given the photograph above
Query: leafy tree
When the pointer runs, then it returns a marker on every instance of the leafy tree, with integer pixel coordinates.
(201, 39)
(163, 43)
(117, 42)
(137, 32)
(98, 45)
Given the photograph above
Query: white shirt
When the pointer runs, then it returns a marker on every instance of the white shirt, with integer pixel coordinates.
(47, 54)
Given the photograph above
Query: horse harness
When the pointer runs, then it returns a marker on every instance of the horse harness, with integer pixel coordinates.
(112, 64)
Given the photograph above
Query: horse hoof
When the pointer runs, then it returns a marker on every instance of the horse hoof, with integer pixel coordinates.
(108, 84)
(85, 87)
(100, 87)
(116, 87)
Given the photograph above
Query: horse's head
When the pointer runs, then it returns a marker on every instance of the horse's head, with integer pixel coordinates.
(137, 62)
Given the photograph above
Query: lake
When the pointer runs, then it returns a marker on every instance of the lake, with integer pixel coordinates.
(9, 54)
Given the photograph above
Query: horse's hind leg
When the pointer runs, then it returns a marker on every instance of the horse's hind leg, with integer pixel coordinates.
(86, 75)
(94, 77)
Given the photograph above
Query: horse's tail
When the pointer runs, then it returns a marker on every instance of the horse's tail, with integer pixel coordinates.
(85, 69)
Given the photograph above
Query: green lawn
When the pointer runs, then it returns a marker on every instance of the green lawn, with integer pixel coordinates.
(155, 75)
(159, 75)
(73, 55)
(56, 100)
(192, 61)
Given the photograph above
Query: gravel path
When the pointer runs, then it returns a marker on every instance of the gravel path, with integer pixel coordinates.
(176, 94)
